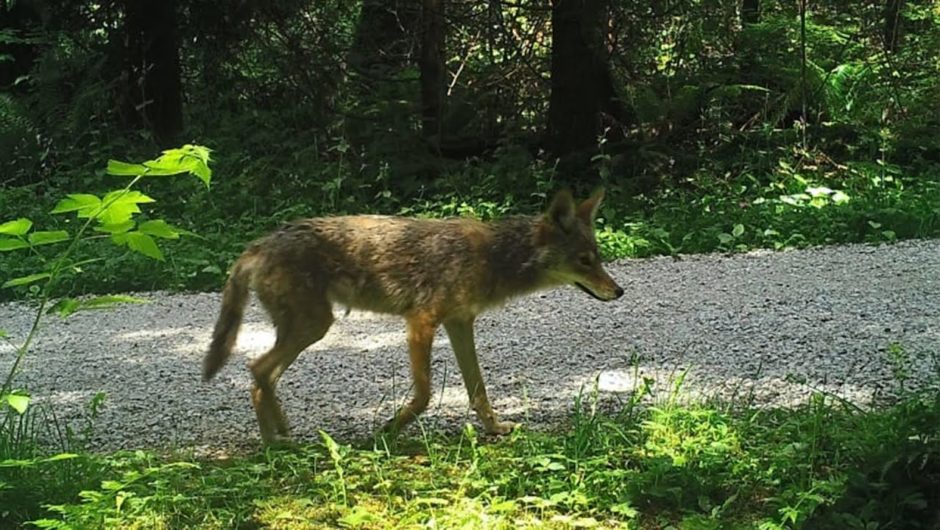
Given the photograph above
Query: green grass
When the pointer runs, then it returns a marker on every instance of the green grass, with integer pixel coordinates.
(824, 464)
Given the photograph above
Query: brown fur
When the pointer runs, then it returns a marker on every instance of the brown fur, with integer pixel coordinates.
(432, 272)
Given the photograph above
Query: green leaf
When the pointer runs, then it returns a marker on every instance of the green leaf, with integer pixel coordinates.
(201, 169)
(159, 228)
(111, 485)
(48, 237)
(77, 266)
(24, 280)
(725, 238)
(192, 159)
(126, 197)
(121, 205)
(738, 230)
(61, 456)
(116, 167)
(118, 228)
(17, 227)
(332, 447)
(108, 301)
(66, 307)
(840, 197)
(83, 203)
(7, 244)
(144, 244)
(820, 191)
(203, 173)
(625, 510)
(358, 518)
(18, 401)
(198, 151)
(168, 165)
(69, 306)
(16, 462)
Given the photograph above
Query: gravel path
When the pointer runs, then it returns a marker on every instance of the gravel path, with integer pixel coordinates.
(767, 325)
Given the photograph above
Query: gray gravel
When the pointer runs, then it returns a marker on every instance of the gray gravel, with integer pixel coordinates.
(770, 327)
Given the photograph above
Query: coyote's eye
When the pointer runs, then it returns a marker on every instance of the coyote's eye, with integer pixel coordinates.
(585, 260)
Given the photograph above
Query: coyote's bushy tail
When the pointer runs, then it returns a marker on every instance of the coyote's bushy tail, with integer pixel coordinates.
(234, 298)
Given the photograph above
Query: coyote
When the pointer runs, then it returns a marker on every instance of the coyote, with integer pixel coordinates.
(431, 272)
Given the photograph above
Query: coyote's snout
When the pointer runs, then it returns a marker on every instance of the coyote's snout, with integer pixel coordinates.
(432, 272)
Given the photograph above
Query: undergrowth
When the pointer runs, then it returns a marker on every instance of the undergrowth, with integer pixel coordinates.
(824, 464)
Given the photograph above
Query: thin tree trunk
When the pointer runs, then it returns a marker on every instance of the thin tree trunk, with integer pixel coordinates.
(154, 86)
(432, 68)
(803, 119)
(580, 75)
(892, 24)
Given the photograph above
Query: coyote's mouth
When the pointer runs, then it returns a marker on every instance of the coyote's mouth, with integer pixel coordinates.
(588, 291)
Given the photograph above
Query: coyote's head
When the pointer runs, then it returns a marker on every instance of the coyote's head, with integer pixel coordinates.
(570, 249)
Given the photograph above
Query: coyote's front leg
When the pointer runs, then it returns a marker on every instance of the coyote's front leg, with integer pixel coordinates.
(460, 333)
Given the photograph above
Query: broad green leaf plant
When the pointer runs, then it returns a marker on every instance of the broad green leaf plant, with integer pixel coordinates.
(113, 217)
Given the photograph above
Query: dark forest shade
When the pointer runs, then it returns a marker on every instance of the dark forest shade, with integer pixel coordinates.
(580, 76)
(750, 11)
(17, 55)
(153, 67)
(380, 32)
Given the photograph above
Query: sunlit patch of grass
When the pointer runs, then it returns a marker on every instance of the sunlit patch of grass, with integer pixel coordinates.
(693, 436)
(686, 464)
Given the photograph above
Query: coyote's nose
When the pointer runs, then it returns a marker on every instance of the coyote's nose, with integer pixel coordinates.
(618, 292)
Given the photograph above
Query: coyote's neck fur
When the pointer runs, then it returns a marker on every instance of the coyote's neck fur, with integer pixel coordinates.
(516, 258)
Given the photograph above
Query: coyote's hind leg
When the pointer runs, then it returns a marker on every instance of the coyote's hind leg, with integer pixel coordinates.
(298, 326)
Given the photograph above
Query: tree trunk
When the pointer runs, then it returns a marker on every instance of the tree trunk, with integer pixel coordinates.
(750, 11)
(892, 25)
(432, 69)
(155, 90)
(580, 75)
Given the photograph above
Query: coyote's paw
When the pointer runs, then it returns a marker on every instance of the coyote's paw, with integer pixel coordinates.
(279, 441)
(501, 427)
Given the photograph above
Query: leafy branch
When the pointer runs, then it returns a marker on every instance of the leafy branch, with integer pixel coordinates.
(111, 216)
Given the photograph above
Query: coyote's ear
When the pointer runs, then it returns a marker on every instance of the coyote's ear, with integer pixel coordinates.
(562, 210)
(587, 210)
